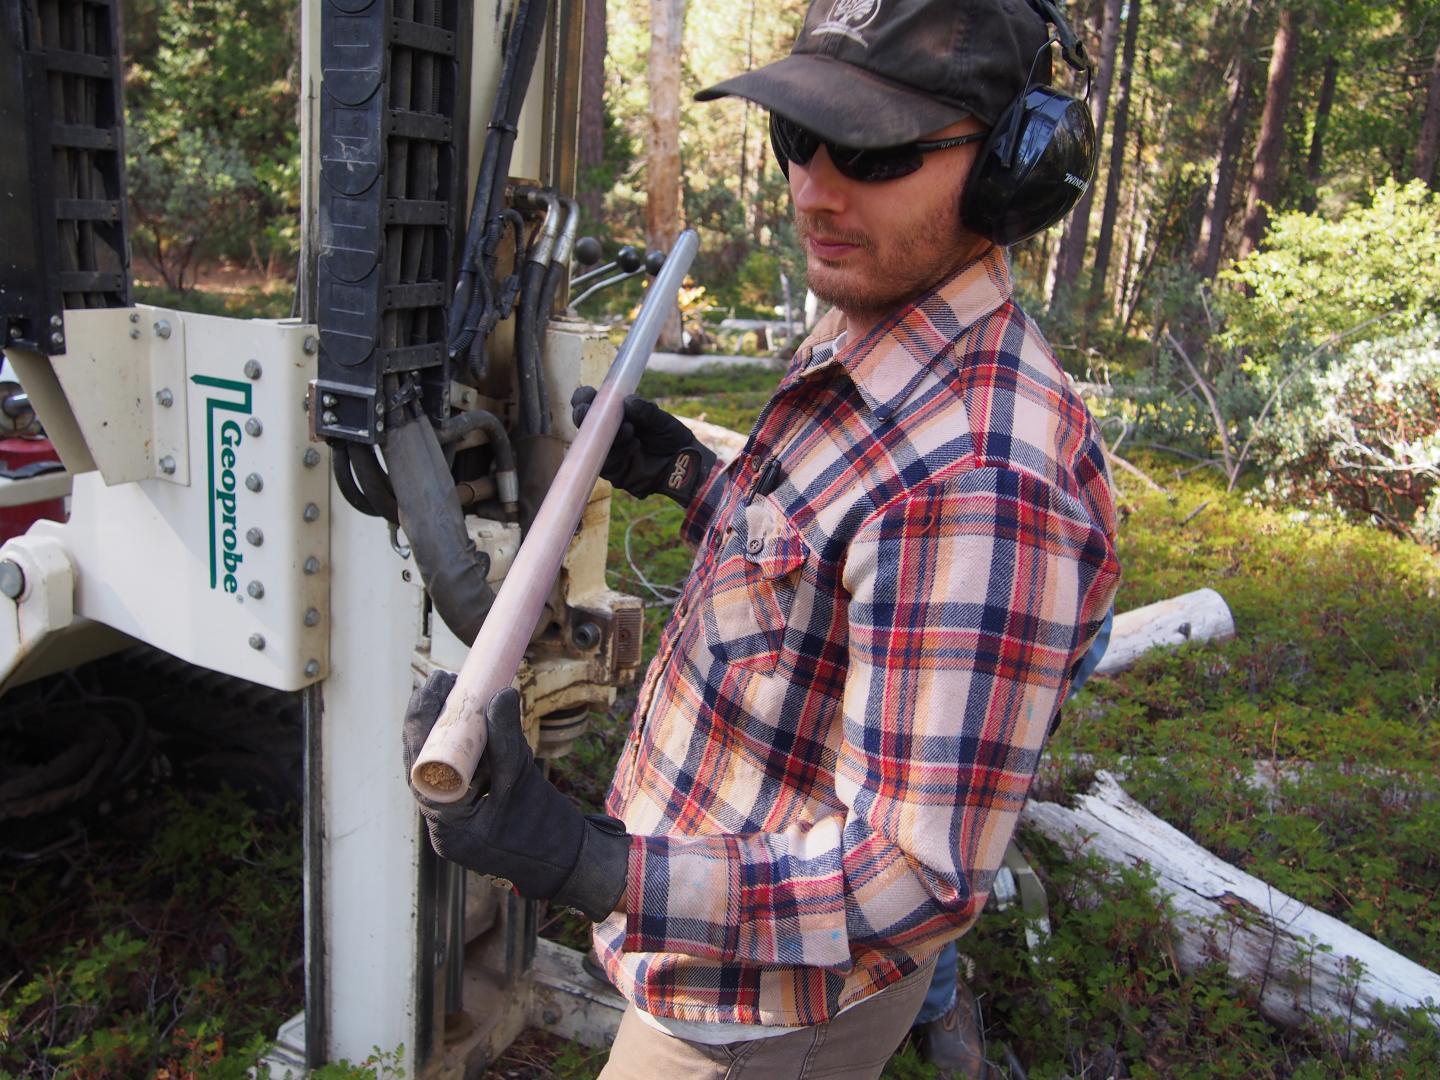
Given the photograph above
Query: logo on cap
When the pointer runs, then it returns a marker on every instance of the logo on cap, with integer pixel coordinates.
(848, 17)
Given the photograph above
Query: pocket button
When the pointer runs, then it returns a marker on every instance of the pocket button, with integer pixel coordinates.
(755, 545)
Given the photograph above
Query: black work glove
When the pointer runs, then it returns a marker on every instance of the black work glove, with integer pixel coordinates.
(652, 452)
(513, 823)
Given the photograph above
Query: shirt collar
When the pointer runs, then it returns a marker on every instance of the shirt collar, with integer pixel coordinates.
(888, 363)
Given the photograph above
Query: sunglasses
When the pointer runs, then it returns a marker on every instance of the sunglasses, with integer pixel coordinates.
(791, 142)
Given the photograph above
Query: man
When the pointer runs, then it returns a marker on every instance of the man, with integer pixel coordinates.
(893, 585)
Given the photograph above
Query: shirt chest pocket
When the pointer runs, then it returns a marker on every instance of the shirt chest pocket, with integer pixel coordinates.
(753, 591)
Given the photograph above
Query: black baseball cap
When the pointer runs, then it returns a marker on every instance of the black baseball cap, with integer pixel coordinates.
(872, 73)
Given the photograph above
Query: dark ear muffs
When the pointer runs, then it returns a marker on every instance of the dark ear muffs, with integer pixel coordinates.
(1037, 162)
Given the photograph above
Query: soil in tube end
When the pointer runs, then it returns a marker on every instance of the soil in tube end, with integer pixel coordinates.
(438, 776)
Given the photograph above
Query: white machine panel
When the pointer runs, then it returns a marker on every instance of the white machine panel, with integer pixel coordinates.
(220, 554)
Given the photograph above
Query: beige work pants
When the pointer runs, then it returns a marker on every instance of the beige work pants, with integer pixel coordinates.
(853, 1046)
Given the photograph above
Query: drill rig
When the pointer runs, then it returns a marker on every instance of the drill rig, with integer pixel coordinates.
(325, 505)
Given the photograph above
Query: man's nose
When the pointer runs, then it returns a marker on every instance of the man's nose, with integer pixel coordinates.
(817, 186)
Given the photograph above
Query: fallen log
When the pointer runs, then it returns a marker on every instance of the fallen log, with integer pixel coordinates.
(1201, 615)
(725, 443)
(1303, 963)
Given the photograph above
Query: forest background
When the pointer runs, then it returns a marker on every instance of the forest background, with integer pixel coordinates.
(1250, 298)
(1263, 206)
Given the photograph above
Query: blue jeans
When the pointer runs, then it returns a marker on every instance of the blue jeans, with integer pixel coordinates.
(940, 998)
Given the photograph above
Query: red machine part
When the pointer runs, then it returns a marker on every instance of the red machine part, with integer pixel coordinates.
(15, 453)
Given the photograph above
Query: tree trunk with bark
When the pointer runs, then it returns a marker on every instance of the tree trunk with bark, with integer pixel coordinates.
(1077, 229)
(1315, 161)
(1265, 174)
(590, 149)
(1426, 149)
(662, 168)
(1227, 164)
(1116, 172)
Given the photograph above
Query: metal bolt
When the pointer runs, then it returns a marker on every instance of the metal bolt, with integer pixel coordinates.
(311, 345)
(255, 589)
(167, 465)
(253, 426)
(255, 536)
(257, 641)
(56, 321)
(164, 398)
(328, 417)
(311, 458)
(134, 316)
(254, 481)
(312, 616)
(134, 333)
(311, 512)
(312, 565)
(57, 339)
(162, 329)
(587, 635)
(312, 668)
(252, 369)
(329, 400)
(12, 579)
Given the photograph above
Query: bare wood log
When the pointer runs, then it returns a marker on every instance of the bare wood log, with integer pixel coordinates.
(1133, 470)
(725, 443)
(1302, 962)
(1201, 615)
(447, 761)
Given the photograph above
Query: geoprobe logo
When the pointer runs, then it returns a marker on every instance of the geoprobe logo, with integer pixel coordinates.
(223, 436)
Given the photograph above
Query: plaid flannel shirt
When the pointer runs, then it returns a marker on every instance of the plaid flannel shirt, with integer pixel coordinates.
(834, 741)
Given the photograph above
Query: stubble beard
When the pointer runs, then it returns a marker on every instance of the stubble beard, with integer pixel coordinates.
(909, 264)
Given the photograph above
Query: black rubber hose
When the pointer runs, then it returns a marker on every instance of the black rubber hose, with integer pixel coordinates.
(345, 478)
(461, 424)
(527, 350)
(449, 564)
(373, 482)
(526, 31)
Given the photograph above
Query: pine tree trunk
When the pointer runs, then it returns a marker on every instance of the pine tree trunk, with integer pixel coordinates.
(1426, 149)
(1116, 171)
(662, 170)
(590, 149)
(1265, 174)
(1227, 165)
(1077, 230)
(1316, 160)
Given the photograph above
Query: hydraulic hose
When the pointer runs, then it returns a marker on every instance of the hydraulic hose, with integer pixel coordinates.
(453, 570)
(527, 349)
(559, 257)
(466, 313)
(533, 313)
(345, 478)
(374, 484)
(507, 480)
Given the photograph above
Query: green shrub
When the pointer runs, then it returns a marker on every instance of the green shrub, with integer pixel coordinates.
(1364, 435)
(1316, 278)
(189, 192)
